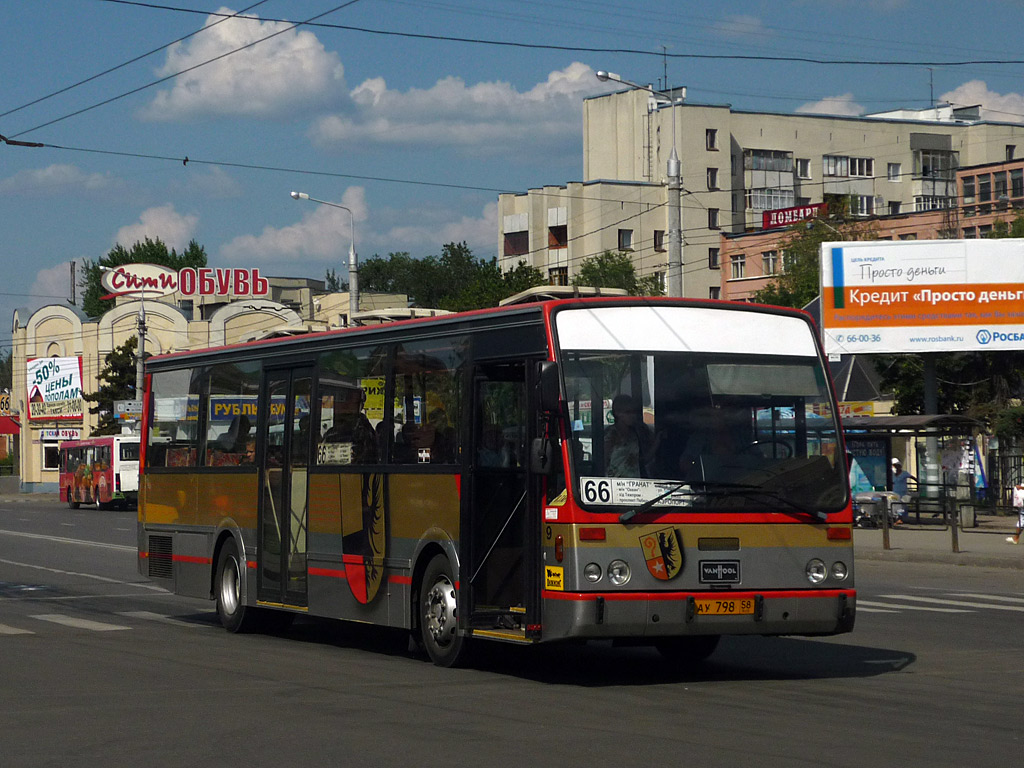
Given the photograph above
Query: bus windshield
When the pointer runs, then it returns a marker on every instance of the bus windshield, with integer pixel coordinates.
(727, 429)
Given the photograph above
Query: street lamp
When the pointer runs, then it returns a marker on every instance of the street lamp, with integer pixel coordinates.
(353, 263)
(675, 185)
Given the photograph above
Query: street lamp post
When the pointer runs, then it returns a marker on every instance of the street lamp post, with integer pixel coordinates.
(353, 262)
(674, 276)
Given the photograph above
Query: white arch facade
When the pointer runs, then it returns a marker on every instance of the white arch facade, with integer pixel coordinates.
(262, 313)
(166, 327)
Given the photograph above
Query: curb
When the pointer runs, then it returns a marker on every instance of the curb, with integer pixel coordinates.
(945, 558)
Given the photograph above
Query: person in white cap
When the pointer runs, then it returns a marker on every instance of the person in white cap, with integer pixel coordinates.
(899, 487)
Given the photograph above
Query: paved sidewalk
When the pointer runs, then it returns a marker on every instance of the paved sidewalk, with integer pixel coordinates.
(931, 542)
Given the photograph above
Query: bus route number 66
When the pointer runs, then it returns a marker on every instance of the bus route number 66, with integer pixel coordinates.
(597, 491)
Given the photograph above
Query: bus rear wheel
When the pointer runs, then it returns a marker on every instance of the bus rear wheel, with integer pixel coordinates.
(233, 614)
(687, 651)
(438, 614)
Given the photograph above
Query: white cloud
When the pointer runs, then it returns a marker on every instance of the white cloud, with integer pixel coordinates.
(54, 178)
(485, 115)
(1003, 107)
(173, 228)
(833, 105)
(275, 77)
(322, 234)
(479, 232)
(743, 26)
(52, 285)
(214, 184)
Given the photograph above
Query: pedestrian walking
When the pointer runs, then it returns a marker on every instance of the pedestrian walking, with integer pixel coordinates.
(1017, 499)
(899, 487)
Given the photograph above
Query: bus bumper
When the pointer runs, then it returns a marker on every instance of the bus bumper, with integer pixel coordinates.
(653, 615)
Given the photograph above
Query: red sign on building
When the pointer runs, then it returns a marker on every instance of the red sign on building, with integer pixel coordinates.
(783, 217)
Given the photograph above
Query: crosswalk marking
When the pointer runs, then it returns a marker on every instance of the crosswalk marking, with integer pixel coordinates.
(6, 630)
(999, 598)
(71, 621)
(890, 606)
(151, 616)
(963, 603)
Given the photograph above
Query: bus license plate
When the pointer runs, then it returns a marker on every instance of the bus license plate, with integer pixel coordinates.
(743, 607)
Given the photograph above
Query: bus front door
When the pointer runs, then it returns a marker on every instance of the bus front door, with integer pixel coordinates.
(283, 511)
(496, 513)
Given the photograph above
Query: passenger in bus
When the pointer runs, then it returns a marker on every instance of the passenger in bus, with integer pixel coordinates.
(442, 447)
(494, 451)
(352, 426)
(629, 445)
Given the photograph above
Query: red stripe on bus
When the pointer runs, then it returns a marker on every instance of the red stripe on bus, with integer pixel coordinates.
(332, 573)
(188, 559)
(716, 595)
(400, 579)
(250, 564)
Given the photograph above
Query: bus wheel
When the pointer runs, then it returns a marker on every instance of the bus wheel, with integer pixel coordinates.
(438, 614)
(687, 651)
(72, 504)
(233, 615)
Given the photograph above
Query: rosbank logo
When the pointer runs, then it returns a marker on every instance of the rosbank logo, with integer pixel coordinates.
(984, 337)
(151, 281)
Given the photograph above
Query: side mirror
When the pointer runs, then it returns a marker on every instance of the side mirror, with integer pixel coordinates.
(542, 453)
(548, 386)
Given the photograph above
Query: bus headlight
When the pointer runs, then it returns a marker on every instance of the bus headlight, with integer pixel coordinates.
(839, 571)
(592, 572)
(816, 571)
(618, 572)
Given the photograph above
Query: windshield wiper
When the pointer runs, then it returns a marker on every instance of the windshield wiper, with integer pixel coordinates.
(753, 491)
(629, 514)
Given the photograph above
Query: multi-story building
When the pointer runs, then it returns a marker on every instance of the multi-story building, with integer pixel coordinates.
(736, 165)
(982, 195)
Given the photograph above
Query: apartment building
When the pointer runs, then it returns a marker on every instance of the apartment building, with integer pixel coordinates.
(736, 166)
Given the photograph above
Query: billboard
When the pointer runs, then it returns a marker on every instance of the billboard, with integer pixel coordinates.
(922, 296)
(54, 387)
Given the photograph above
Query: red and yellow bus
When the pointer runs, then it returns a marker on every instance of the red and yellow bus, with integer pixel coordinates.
(645, 470)
(102, 471)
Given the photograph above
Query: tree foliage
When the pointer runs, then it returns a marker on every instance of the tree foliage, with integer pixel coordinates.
(333, 283)
(455, 280)
(146, 252)
(6, 370)
(116, 382)
(614, 269)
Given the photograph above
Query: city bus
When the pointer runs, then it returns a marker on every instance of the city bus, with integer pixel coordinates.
(461, 477)
(101, 471)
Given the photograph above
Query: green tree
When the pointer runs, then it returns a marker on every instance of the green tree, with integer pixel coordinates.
(116, 382)
(333, 283)
(614, 269)
(455, 280)
(6, 370)
(146, 252)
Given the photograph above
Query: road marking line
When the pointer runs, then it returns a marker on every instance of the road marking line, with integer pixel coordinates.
(862, 609)
(989, 597)
(64, 540)
(84, 575)
(872, 604)
(151, 616)
(6, 630)
(70, 621)
(963, 603)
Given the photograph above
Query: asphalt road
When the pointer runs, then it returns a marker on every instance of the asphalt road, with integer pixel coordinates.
(98, 667)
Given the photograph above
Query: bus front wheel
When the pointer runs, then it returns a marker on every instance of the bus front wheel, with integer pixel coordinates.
(438, 614)
(235, 616)
(72, 504)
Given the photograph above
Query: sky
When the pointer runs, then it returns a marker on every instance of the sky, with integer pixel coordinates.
(414, 115)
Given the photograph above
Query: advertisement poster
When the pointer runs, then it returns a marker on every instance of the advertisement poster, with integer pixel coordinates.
(922, 296)
(54, 388)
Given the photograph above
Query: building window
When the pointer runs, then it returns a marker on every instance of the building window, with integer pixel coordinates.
(835, 165)
(862, 205)
(970, 233)
(714, 292)
(968, 190)
(894, 207)
(738, 264)
(558, 237)
(712, 178)
(767, 160)
(909, 236)
(769, 262)
(659, 278)
(51, 455)
(895, 172)
(999, 189)
(803, 168)
(1010, 149)
(862, 166)
(769, 199)
(558, 276)
(711, 139)
(517, 243)
(985, 230)
(659, 240)
(936, 163)
(625, 239)
(1016, 182)
(713, 254)
(984, 193)
(933, 203)
(713, 218)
